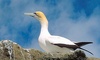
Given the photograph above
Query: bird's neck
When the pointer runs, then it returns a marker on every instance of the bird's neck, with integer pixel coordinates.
(44, 28)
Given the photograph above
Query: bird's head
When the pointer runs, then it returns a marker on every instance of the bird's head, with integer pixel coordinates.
(38, 15)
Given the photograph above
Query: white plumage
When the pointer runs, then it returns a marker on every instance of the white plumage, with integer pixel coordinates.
(54, 44)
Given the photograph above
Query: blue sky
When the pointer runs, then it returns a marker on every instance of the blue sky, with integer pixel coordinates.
(77, 20)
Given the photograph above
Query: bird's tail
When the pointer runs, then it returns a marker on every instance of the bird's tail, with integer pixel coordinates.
(86, 50)
(82, 43)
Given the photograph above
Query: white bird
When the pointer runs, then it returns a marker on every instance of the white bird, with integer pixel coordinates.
(54, 44)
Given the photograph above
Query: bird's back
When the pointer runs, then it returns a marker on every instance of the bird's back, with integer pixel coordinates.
(60, 40)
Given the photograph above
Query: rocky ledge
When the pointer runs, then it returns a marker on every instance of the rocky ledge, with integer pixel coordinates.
(12, 51)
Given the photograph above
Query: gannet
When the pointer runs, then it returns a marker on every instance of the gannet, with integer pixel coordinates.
(54, 44)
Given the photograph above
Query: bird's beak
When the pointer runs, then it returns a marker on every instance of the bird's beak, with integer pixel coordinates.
(30, 14)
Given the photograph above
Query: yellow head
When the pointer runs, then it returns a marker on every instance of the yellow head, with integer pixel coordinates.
(39, 15)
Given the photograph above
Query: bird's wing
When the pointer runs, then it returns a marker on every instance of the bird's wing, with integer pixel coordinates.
(83, 43)
(74, 47)
(61, 42)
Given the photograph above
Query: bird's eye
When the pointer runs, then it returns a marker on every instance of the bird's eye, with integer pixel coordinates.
(37, 15)
(34, 13)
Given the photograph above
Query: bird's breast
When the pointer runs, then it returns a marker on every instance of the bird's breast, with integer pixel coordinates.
(42, 44)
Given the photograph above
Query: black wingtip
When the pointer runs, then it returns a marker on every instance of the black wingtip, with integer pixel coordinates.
(83, 43)
(87, 51)
(90, 42)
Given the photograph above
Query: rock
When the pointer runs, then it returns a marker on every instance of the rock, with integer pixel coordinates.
(12, 51)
